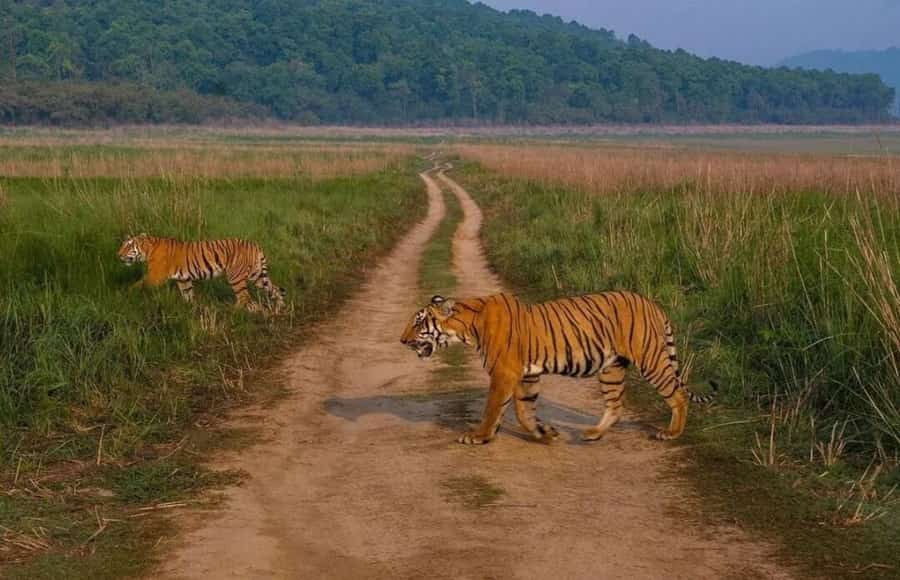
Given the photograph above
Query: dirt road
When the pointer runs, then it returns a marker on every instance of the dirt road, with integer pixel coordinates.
(359, 475)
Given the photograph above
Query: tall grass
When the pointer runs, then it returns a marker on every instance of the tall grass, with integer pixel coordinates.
(618, 170)
(782, 273)
(186, 160)
(81, 353)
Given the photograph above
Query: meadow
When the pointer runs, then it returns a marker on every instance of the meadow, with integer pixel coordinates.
(80, 350)
(782, 276)
(95, 375)
(780, 271)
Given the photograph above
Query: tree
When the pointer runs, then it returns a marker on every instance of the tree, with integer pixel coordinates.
(409, 60)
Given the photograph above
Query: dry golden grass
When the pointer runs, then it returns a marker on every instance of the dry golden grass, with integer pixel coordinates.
(607, 170)
(47, 158)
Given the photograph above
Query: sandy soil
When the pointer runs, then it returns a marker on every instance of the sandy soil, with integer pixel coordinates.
(358, 474)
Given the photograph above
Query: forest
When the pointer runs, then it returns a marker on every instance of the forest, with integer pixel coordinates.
(885, 63)
(381, 62)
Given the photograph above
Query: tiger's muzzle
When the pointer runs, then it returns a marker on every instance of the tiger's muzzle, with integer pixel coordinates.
(423, 348)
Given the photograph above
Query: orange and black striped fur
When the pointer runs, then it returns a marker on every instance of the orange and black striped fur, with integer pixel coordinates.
(593, 335)
(243, 263)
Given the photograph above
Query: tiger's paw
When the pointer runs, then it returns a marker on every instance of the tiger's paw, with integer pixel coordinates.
(472, 438)
(664, 435)
(545, 433)
(592, 434)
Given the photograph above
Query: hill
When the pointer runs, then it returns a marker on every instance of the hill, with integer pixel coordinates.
(885, 63)
(385, 61)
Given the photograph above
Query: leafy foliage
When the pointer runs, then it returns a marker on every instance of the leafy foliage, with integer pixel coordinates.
(405, 61)
(34, 103)
(884, 63)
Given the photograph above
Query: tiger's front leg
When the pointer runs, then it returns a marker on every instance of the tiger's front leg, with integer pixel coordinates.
(186, 287)
(526, 410)
(152, 278)
(501, 394)
(238, 282)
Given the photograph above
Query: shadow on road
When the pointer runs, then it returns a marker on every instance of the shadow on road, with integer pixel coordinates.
(461, 408)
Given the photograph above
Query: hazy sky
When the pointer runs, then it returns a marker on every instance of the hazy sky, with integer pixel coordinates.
(752, 31)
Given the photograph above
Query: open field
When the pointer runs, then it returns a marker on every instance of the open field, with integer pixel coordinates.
(94, 378)
(780, 270)
(782, 275)
(875, 140)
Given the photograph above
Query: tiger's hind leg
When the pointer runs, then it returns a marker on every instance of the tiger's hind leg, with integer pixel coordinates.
(526, 405)
(612, 385)
(668, 385)
(678, 403)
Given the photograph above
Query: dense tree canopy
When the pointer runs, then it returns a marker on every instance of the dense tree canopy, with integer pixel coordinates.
(401, 61)
(884, 63)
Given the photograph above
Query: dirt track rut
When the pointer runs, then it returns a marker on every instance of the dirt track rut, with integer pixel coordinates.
(358, 474)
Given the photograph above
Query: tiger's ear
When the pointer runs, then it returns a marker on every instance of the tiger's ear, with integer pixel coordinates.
(445, 304)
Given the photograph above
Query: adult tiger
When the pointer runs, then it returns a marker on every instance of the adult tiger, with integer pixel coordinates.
(597, 334)
(242, 262)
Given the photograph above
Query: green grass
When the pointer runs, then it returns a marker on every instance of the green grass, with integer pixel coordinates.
(100, 523)
(89, 368)
(436, 270)
(773, 296)
(81, 349)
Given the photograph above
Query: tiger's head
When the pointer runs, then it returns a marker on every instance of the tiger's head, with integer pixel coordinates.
(432, 327)
(135, 249)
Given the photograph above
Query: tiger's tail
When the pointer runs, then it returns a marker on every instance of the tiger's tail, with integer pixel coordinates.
(673, 360)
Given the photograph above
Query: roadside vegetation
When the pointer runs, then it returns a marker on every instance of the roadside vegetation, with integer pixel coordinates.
(106, 393)
(782, 276)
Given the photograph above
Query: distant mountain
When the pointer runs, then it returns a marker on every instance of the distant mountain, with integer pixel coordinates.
(381, 61)
(885, 63)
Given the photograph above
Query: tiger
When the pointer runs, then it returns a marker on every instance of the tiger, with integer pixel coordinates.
(592, 335)
(242, 262)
